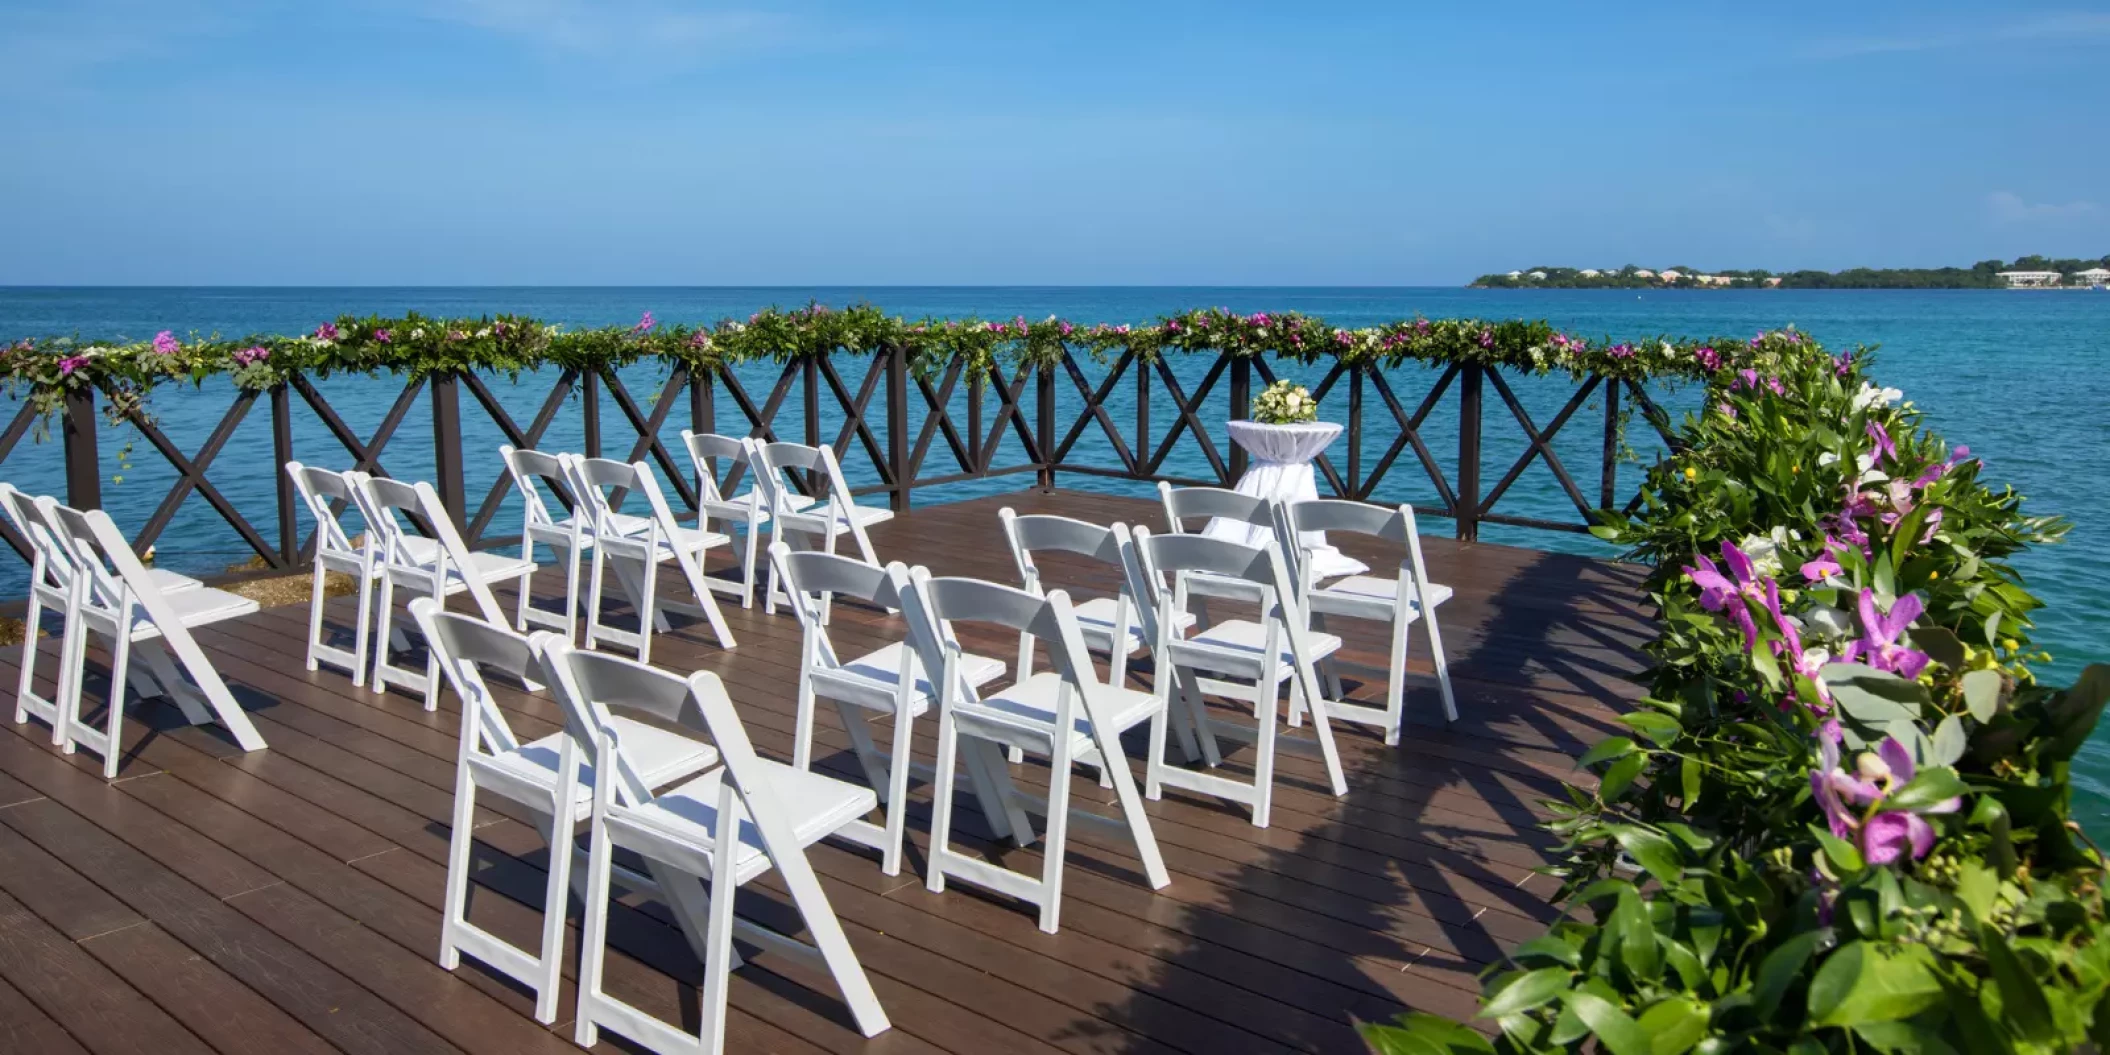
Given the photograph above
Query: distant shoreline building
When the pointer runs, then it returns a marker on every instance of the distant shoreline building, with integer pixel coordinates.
(2031, 279)
(2094, 277)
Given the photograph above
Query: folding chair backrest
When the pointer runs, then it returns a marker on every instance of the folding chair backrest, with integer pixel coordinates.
(466, 647)
(1184, 503)
(319, 489)
(50, 564)
(531, 470)
(595, 478)
(1394, 524)
(114, 575)
(778, 458)
(380, 499)
(707, 449)
(811, 574)
(1062, 534)
(1258, 567)
(587, 683)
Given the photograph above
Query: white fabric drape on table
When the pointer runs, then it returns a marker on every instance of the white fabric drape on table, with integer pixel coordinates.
(1282, 470)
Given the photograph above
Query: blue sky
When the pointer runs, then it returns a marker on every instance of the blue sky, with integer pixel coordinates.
(676, 142)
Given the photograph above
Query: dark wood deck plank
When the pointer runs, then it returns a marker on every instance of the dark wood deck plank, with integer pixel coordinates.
(329, 847)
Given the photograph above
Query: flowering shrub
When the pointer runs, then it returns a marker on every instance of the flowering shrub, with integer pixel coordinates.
(1285, 403)
(44, 370)
(1839, 821)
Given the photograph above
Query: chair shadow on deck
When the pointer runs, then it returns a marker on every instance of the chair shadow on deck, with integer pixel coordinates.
(1387, 956)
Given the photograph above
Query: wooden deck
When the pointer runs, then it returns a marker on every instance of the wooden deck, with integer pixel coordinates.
(287, 900)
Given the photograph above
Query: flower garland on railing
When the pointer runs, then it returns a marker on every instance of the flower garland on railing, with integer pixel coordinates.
(43, 370)
(1839, 821)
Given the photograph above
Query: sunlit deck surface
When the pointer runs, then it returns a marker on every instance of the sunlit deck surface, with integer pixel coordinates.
(288, 900)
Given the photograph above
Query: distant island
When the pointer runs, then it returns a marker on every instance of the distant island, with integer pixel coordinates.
(2029, 272)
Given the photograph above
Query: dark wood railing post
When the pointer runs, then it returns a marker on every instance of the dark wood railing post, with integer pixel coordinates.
(897, 425)
(1044, 428)
(84, 474)
(1355, 432)
(590, 408)
(1468, 501)
(447, 447)
(810, 389)
(1142, 411)
(282, 452)
(975, 384)
(1610, 489)
(1241, 408)
(703, 413)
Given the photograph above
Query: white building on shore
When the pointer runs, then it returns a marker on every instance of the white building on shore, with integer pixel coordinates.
(2031, 279)
(2094, 276)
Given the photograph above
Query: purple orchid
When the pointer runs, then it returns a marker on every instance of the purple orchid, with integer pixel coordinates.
(1709, 359)
(382, 336)
(1726, 593)
(252, 356)
(71, 363)
(166, 343)
(326, 332)
(1887, 449)
(1622, 351)
(1881, 645)
(1824, 567)
(1853, 802)
(645, 323)
(1935, 472)
(1487, 338)
(1746, 378)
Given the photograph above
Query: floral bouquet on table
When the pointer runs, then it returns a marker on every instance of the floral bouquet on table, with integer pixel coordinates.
(1285, 403)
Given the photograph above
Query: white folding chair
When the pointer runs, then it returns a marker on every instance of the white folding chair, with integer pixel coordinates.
(1064, 715)
(749, 511)
(730, 825)
(570, 535)
(1272, 650)
(889, 681)
(325, 492)
(805, 515)
(637, 555)
(1210, 504)
(547, 776)
(1399, 601)
(1110, 624)
(114, 595)
(436, 565)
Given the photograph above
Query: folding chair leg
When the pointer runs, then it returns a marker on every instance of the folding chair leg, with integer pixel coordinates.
(556, 906)
(593, 600)
(1396, 685)
(593, 945)
(647, 612)
(384, 613)
(1265, 703)
(897, 794)
(802, 724)
(571, 592)
(718, 935)
(73, 674)
(455, 902)
(941, 803)
(362, 633)
(1124, 783)
(1154, 764)
(114, 718)
(25, 686)
(747, 573)
(1056, 842)
(315, 600)
(526, 586)
(1442, 663)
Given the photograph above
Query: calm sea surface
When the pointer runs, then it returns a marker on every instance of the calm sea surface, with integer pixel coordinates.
(2019, 377)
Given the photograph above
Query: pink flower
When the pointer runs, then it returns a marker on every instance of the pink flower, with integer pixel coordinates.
(252, 356)
(1487, 338)
(1882, 642)
(645, 323)
(1727, 593)
(326, 332)
(1887, 836)
(382, 336)
(1884, 447)
(166, 343)
(71, 363)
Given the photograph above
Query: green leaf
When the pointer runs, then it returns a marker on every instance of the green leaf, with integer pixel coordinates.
(1941, 643)
(1932, 785)
(1622, 774)
(1526, 991)
(2021, 998)
(1861, 982)
(1992, 630)
(1780, 969)
(1660, 728)
(1638, 948)
(1949, 742)
(1606, 750)
(1981, 693)
(1616, 1031)
(1420, 1033)
(1689, 782)
(1903, 1038)
(2074, 714)
(1978, 888)
(1845, 857)
(1652, 851)
(1548, 947)
(1674, 1025)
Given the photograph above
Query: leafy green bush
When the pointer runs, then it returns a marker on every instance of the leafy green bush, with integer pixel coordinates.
(1840, 822)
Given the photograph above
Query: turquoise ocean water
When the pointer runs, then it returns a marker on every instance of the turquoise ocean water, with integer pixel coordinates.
(2019, 377)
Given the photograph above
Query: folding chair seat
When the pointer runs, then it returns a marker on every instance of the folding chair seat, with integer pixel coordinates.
(1065, 715)
(890, 681)
(1398, 601)
(731, 825)
(1263, 654)
(438, 565)
(636, 556)
(112, 595)
(549, 776)
(810, 516)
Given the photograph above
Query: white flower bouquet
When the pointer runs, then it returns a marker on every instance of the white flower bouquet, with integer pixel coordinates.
(1285, 403)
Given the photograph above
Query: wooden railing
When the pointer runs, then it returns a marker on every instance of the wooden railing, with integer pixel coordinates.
(914, 438)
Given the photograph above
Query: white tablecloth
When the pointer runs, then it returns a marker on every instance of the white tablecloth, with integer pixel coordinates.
(1281, 469)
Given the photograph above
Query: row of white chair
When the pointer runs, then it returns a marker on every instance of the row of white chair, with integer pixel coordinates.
(82, 568)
